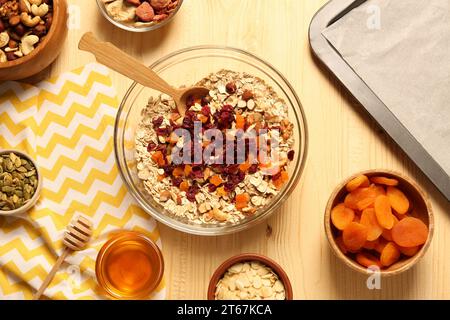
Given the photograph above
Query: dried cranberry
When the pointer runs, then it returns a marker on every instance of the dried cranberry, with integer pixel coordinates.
(212, 187)
(162, 131)
(177, 181)
(253, 169)
(206, 111)
(197, 172)
(157, 122)
(290, 155)
(192, 191)
(229, 186)
(151, 146)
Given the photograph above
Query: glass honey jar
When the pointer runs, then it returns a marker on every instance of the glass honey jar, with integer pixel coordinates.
(129, 266)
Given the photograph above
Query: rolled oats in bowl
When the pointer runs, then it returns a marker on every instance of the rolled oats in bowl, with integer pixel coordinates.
(225, 159)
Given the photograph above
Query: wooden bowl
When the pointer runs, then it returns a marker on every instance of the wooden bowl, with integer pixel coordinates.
(219, 273)
(421, 208)
(45, 53)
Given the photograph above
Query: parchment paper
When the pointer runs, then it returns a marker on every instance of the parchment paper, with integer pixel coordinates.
(401, 50)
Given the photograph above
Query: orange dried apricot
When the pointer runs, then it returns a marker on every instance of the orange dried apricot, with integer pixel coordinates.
(240, 122)
(389, 255)
(387, 234)
(221, 191)
(284, 176)
(360, 194)
(409, 251)
(367, 260)
(341, 216)
(242, 200)
(371, 245)
(158, 157)
(161, 177)
(359, 181)
(187, 169)
(354, 236)
(184, 186)
(399, 202)
(410, 232)
(383, 212)
(244, 166)
(380, 245)
(178, 172)
(369, 219)
(384, 181)
(341, 245)
(216, 180)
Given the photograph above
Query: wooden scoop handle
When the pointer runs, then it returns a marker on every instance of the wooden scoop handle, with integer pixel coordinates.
(51, 274)
(111, 56)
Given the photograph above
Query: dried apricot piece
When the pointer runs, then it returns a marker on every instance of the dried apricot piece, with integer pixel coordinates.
(359, 181)
(187, 170)
(387, 234)
(384, 181)
(242, 200)
(389, 255)
(399, 202)
(410, 232)
(158, 157)
(371, 245)
(244, 166)
(369, 219)
(341, 245)
(216, 180)
(380, 245)
(240, 122)
(409, 251)
(367, 260)
(341, 216)
(354, 236)
(360, 194)
(184, 186)
(178, 172)
(383, 212)
(221, 191)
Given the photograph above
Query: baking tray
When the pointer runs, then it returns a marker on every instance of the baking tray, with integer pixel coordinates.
(325, 52)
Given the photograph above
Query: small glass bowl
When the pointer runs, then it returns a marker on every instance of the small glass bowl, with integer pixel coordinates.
(129, 27)
(187, 67)
(124, 239)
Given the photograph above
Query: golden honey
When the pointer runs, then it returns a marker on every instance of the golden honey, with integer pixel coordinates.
(129, 266)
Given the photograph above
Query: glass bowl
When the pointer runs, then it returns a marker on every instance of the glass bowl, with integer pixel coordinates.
(186, 67)
(129, 27)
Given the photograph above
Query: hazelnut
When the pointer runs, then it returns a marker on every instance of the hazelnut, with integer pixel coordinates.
(11, 56)
(48, 20)
(40, 30)
(2, 26)
(12, 44)
(231, 87)
(20, 30)
(247, 95)
(14, 20)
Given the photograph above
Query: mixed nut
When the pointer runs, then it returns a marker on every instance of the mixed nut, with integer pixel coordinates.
(250, 281)
(140, 13)
(232, 179)
(18, 181)
(23, 25)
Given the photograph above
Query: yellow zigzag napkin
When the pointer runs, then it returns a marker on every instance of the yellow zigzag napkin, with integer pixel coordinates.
(67, 125)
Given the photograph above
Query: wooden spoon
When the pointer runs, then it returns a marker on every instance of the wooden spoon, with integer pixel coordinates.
(111, 56)
(76, 237)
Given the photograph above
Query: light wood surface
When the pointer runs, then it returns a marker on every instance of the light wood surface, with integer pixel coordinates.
(343, 140)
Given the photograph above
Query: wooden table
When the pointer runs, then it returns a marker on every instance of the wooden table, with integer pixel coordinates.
(343, 140)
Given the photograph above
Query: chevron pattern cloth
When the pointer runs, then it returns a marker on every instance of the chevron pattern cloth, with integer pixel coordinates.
(67, 125)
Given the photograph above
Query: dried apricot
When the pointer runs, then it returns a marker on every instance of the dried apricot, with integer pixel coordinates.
(389, 255)
(369, 219)
(354, 236)
(380, 245)
(244, 166)
(367, 260)
(341, 245)
(399, 202)
(216, 180)
(187, 170)
(341, 216)
(371, 245)
(387, 234)
(360, 194)
(178, 172)
(383, 212)
(359, 181)
(242, 200)
(240, 122)
(184, 186)
(158, 157)
(409, 251)
(410, 232)
(384, 181)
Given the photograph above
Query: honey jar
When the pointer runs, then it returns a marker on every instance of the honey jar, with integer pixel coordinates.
(129, 266)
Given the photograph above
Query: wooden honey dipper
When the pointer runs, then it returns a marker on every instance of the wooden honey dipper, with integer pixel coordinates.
(76, 237)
